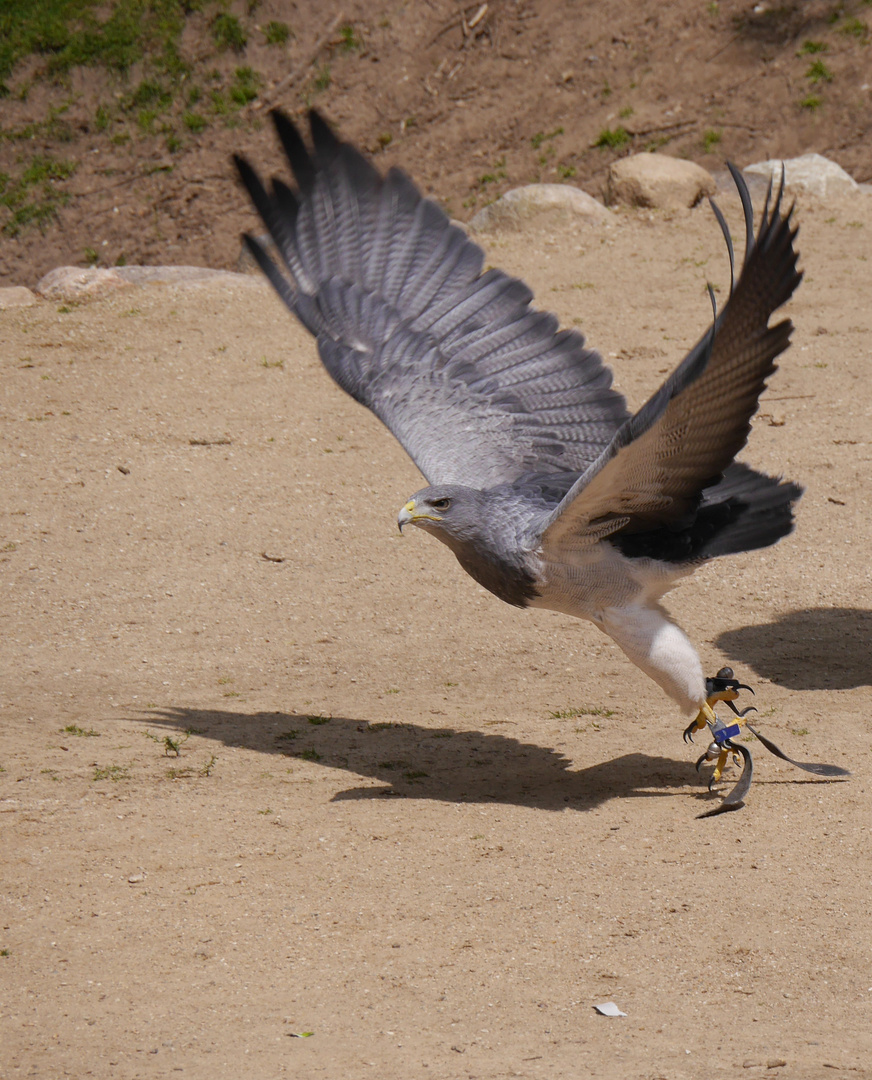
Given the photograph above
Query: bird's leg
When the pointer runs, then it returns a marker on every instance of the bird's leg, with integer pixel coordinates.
(723, 687)
(720, 748)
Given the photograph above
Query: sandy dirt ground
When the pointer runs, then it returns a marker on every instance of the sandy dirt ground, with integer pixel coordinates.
(269, 768)
(534, 90)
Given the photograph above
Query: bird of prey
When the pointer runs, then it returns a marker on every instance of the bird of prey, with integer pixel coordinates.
(548, 491)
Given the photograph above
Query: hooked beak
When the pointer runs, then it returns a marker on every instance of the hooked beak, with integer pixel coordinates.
(411, 515)
(406, 515)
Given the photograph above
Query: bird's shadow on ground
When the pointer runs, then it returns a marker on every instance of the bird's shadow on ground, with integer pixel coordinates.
(810, 649)
(440, 763)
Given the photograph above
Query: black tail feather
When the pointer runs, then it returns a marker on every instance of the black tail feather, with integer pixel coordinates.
(745, 511)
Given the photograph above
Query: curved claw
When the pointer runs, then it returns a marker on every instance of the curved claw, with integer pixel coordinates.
(701, 759)
(688, 732)
(742, 712)
(735, 800)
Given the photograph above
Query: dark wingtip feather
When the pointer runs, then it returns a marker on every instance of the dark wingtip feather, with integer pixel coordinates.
(295, 149)
(286, 201)
(725, 230)
(276, 278)
(747, 208)
(323, 140)
(252, 184)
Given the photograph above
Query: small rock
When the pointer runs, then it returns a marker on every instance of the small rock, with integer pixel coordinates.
(657, 180)
(135, 879)
(537, 201)
(16, 296)
(775, 1063)
(812, 173)
(75, 283)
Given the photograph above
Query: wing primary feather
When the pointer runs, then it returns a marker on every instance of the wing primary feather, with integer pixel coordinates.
(747, 208)
(286, 201)
(684, 437)
(714, 303)
(719, 217)
(765, 218)
(278, 281)
(295, 150)
(776, 210)
(478, 386)
(325, 143)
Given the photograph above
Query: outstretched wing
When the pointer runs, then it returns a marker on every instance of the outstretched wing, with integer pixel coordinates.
(478, 387)
(680, 442)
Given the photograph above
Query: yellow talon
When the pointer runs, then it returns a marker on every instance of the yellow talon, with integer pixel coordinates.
(704, 718)
(720, 765)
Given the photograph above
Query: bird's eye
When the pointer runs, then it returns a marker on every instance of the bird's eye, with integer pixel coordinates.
(440, 504)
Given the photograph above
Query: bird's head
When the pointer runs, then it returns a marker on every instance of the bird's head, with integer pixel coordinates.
(450, 512)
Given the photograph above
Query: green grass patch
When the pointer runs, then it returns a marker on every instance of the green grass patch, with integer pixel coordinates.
(544, 136)
(55, 127)
(854, 27)
(111, 772)
(349, 39)
(499, 173)
(33, 197)
(194, 122)
(818, 72)
(228, 32)
(88, 33)
(276, 33)
(585, 710)
(245, 86)
(612, 138)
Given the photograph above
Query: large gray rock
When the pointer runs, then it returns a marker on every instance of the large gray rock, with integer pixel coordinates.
(75, 283)
(812, 173)
(657, 180)
(539, 203)
(14, 296)
(172, 275)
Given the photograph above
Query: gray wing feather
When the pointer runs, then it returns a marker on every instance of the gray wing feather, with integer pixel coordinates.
(680, 442)
(477, 386)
